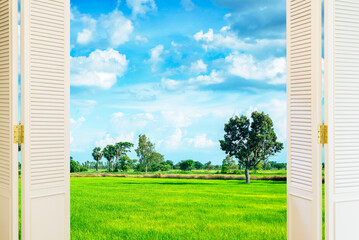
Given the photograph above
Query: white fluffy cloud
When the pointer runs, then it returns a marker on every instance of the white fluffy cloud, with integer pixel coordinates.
(175, 140)
(75, 124)
(141, 7)
(99, 69)
(246, 66)
(87, 23)
(139, 38)
(198, 67)
(84, 37)
(188, 5)
(118, 27)
(214, 77)
(229, 40)
(203, 80)
(107, 139)
(178, 119)
(201, 141)
(138, 120)
(156, 56)
(113, 28)
(207, 37)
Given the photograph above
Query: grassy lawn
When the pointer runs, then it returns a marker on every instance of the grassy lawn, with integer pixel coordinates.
(132, 208)
(153, 208)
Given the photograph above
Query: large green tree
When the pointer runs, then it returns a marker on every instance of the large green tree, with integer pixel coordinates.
(109, 153)
(97, 155)
(121, 149)
(144, 151)
(155, 161)
(250, 141)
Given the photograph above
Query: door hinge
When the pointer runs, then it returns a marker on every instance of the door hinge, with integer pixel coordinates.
(323, 134)
(19, 134)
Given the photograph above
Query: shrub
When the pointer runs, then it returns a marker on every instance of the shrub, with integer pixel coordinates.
(155, 167)
(198, 165)
(76, 167)
(186, 165)
(165, 167)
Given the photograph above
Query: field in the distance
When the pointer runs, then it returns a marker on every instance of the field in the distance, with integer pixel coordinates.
(277, 175)
(146, 208)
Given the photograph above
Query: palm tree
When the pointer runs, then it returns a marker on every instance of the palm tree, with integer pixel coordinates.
(109, 153)
(97, 155)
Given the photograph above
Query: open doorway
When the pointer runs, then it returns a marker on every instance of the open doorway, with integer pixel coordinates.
(164, 78)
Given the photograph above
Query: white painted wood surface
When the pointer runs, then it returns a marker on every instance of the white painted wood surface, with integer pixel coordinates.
(8, 118)
(45, 89)
(342, 116)
(304, 177)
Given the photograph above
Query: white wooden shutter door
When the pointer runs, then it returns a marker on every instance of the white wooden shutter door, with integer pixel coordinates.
(342, 115)
(45, 115)
(304, 179)
(8, 118)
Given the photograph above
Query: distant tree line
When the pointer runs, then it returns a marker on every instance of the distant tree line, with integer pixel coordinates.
(252, 141)
(76, 166)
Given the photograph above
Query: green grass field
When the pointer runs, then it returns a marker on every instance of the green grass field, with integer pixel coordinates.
(132, 208)
(152, 208)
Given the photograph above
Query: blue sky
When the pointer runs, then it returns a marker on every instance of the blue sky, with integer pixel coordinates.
(174, 70)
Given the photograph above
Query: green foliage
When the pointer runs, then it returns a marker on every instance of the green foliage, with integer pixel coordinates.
(76, 166)
(251, 142)
(144, 152)
(170, 162)
(97, 155)
(155, 167)
(186, 165)
(259, 166)
(228, 165)
(208, 165)
(198, 165)
(125, 163)
(155, 163)
(142, 208)
(165, 167)
(121, 149)
(156, 157)
(109, 153)
(276, 165)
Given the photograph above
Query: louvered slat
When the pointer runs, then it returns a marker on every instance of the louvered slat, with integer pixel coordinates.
(304, 114)
(342, 114)
(8, 118)
(45, 90)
